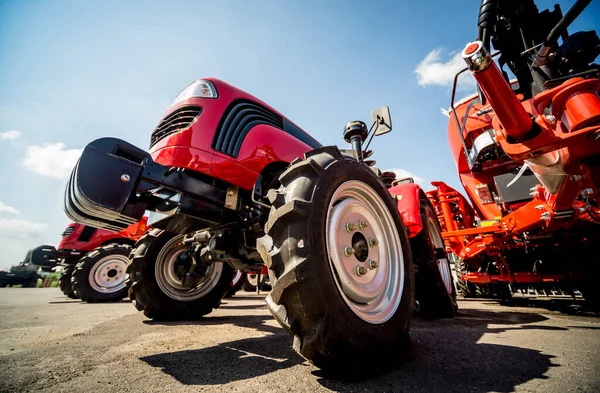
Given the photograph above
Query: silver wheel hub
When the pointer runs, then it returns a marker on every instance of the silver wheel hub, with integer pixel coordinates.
(442, 264)
(370, 278)
(108, 274)
(172, 284)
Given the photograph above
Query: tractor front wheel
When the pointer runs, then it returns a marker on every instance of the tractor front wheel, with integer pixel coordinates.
(239, 279)
(64, 282)
(339, 262)
(100, 274)
(156, 280)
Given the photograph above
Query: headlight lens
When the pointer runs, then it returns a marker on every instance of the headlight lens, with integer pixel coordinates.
(200, 88)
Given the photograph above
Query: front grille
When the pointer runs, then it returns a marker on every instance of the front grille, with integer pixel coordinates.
(86, 234)
(179, 120)
(68, 231)
(237, 121)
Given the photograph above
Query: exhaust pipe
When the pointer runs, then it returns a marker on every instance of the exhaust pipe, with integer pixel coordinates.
(517, 123)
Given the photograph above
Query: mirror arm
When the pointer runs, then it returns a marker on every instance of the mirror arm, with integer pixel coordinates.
(375, 123)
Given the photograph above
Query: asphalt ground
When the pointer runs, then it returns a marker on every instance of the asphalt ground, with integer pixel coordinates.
(49, 343)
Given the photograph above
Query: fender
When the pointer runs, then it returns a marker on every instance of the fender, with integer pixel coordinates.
(408, 199)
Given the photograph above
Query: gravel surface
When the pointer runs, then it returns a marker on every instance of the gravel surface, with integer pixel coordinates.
(49, 343)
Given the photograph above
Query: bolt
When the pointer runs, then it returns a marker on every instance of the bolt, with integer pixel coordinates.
(373, 242)
(125, 178)
(361, 270)
(350, 227)
(363, 224)
(230, 193)
(348, 251)
(372, 264)
(551, 120)
(228, 204)
(576, 177)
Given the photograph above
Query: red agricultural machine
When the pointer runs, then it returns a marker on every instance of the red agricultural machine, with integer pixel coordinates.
(94, 260)
(230, 183)
(528, 155)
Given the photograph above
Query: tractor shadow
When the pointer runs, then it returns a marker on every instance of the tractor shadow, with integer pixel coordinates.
(568, 306)
(231, 361)
(446, 355)
(78, 301)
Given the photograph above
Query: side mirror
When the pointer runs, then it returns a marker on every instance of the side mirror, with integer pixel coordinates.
(382, 120)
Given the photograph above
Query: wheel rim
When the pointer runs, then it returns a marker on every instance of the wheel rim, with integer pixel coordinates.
(375, 295)
(443, 264)
(171, 284)
(253, 279)
(236, 278)
(108, 274)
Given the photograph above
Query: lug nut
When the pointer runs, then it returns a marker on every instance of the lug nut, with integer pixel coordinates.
(350, 227)
(363, 224)
(348, 251)
(373, 242)
(361, 270)
(125, 178)
(372, 264)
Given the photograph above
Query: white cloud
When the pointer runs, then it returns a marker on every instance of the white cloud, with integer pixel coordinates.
(433, 70)
(5, 209)
(10, 135)
(52, 159)
(403, 173)
(20, 228)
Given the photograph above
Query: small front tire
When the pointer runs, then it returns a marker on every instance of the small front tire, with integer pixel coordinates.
(155, 288)
(100, 275)
(64, 282)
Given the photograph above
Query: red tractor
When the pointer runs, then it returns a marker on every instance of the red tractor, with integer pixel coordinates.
(230, 183)
(528, 155)
(94, 260)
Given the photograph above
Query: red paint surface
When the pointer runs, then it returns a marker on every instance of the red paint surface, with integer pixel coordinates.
(101, 236)
(192, 148)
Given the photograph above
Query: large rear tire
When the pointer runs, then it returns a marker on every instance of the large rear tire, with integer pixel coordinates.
(157, 290)
(100, 275)
(435, 290)
(64, 282)
(338, 318)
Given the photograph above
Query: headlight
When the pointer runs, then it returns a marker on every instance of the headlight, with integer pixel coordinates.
(200, 89)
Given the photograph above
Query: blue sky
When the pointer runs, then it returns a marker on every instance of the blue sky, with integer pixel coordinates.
(73, 71)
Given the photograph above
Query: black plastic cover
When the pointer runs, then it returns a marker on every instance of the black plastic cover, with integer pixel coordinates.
(518, 191)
